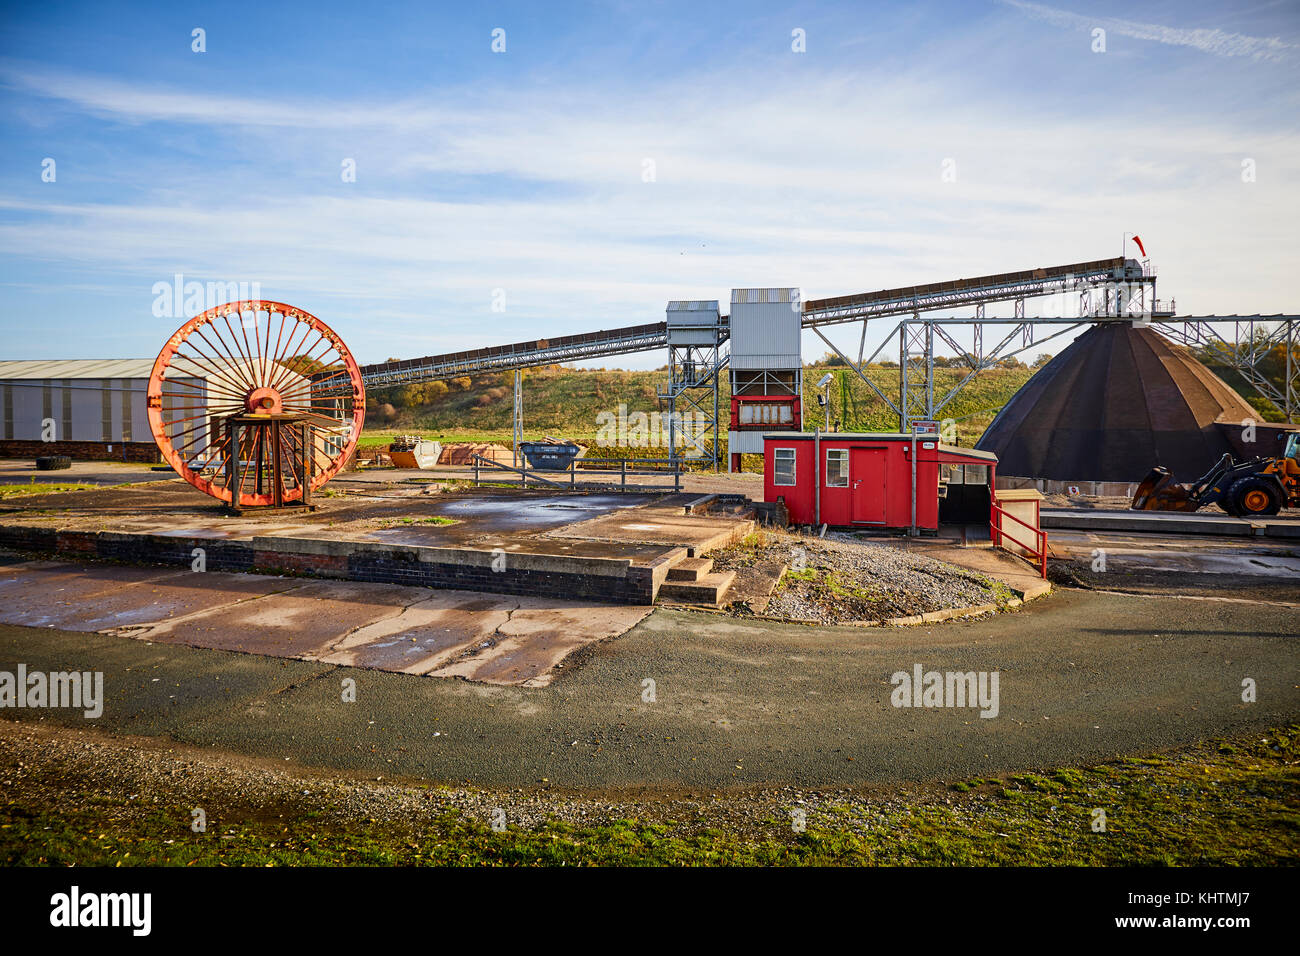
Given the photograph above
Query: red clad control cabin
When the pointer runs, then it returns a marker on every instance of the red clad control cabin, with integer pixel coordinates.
(865, 480)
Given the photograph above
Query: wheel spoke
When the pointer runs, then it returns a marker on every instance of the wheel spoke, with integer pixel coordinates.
(226, 369)
(235, 367)
(243, 355)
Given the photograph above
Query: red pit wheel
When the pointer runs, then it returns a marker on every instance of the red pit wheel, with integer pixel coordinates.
(222, 366)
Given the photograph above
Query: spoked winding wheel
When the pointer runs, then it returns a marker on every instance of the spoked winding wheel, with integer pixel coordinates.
(254, 361)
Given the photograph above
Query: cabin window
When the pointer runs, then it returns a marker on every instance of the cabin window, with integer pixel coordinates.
(964, 474)
(783, 466)
(837, 468)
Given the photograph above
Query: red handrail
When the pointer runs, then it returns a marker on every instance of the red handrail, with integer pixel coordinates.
(997, 534)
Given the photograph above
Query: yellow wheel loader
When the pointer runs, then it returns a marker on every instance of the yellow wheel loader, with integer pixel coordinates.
(1260, 486)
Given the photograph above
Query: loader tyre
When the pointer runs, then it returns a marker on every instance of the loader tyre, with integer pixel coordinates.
(1254, 496)
(53, 462)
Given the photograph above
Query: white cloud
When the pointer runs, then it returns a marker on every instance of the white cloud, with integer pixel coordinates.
(1214, 41)
(777, 190)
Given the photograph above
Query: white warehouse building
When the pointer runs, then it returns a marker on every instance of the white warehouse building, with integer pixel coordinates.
(86, 408)
(95, 409)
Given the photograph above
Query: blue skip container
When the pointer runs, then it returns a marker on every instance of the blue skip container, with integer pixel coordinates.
(550, 456)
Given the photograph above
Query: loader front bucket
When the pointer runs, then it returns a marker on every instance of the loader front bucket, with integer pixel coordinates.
(1158, 492)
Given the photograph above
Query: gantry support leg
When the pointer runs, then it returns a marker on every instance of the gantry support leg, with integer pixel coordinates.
(519, 413)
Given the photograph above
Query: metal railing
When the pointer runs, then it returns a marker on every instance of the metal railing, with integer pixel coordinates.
(997, 533)
(525, 473)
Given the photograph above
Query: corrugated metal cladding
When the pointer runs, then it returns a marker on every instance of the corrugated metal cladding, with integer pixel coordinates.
(693, 322)
(693, 305)
(757, 296)
(745, 443)
(765, 329)
(100, 400)
(693, 313)
(75, 368)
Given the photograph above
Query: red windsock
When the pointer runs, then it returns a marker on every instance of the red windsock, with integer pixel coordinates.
(1138, 240)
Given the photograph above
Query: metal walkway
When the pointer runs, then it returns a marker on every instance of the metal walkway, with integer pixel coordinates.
(563, 348)
(977, 291)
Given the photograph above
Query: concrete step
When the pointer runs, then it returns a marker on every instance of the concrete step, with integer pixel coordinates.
(708, 590)
(690, 569)
(737, 531)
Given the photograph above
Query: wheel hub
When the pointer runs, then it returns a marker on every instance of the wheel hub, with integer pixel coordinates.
(264, 401)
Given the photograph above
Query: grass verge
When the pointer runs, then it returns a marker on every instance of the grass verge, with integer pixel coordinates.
(42, 488)
(1222, 802)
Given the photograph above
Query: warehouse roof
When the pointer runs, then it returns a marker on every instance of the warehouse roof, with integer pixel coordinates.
(75, 368)
(52, 370)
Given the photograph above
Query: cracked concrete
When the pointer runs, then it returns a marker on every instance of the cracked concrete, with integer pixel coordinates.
(495, 639)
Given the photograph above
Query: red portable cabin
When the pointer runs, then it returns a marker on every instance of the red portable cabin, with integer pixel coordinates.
(865, 480)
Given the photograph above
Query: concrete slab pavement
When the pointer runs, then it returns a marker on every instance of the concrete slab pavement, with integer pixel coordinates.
(663, 523)
(480, 637)
(1015, 573)
(100, 597)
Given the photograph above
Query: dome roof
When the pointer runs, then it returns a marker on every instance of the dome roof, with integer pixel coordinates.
(1117, 402)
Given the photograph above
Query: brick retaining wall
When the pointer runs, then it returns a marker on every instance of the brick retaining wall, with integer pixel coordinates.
(141, 451)
(607, 580)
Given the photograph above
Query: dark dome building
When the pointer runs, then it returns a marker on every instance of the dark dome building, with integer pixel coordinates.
(1117, 402)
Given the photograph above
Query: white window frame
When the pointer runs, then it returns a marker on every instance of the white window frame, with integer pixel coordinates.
(837, 452)
(794, 468)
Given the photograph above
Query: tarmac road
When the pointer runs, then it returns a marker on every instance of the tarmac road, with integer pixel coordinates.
(1082, 676)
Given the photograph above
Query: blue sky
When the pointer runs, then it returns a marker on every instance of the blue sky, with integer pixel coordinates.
(524, 171)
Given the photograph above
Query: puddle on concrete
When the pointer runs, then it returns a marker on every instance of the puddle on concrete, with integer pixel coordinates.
(414, 535)
(496, 512)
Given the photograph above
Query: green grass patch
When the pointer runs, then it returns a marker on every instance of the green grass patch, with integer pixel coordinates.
(43, 488)
(804, 574)
(1199, 806)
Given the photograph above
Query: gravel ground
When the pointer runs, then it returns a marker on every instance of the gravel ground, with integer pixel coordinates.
(842, 579)
(123, 778)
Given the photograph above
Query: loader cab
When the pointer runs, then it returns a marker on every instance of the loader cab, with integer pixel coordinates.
(1292, 450)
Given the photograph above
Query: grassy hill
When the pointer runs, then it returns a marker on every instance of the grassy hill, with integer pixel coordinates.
(569, 403)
